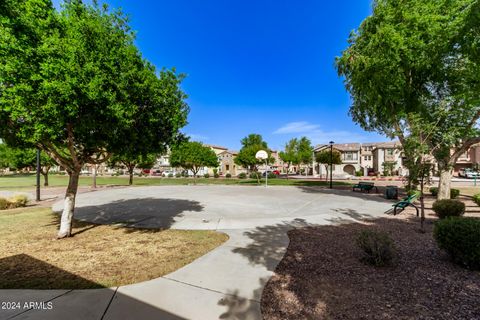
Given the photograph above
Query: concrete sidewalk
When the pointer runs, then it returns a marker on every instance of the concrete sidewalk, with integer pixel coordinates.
(226, 283)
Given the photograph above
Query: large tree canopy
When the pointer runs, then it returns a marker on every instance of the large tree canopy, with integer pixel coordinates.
(415, 58)
(251, 144)
(193, 156)
(74, 84)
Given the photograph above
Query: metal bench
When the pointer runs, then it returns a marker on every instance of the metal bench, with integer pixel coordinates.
(364, 186)
(405, 202)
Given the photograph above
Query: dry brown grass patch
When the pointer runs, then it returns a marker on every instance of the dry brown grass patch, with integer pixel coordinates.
(96, 256)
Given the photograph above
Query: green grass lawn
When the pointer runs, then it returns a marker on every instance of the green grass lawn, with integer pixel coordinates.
(19, 182)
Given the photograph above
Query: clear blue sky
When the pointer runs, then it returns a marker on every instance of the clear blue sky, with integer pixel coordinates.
(254, 66)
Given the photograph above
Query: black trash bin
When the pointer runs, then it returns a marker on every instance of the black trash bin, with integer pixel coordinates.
(391, 192)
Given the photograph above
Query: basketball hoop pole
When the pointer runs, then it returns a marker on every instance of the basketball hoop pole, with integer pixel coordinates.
(266, 172)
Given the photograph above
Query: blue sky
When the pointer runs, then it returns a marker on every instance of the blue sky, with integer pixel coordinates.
(255, 66)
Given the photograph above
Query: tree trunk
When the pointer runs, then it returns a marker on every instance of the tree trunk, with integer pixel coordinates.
(44, 173)
(69, 205)
(288, 168)
(422, 205)
(446, 174)
(94, 176)
(130, 173)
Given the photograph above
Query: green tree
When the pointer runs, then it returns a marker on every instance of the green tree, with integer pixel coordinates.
(74, 84)
(326, 157)
(193, 156)
(133, 161)
(250, 146)
(417, 58)
(289, 155)
(305, 151)
(388, 167)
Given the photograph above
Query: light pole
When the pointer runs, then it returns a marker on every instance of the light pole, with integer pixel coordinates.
(331, 163)
(38, 176)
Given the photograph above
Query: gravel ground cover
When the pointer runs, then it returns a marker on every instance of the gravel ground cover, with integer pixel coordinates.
(321, 276)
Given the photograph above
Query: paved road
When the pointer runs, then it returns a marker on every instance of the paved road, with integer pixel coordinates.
(226, 283)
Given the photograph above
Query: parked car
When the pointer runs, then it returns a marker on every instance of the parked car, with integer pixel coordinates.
(468, 173)
(146, 171)
(166, 173)
(275, 172)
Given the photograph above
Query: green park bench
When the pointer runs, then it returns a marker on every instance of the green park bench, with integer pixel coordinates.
(364, 186)
(405, 202)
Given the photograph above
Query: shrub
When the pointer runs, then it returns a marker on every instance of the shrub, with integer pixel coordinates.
(448, 208)
(460, 238)
(242, 175)
(206, 175)
(271, 175)
(377, 247)
(216, 175)
(454, 193)
(476, 199)
(3, 204)
(359, 173)
(228, 175)
(19, 200)
(170, 175)
(255, 175)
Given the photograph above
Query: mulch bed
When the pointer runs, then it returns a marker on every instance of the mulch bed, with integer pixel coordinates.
(321, 277)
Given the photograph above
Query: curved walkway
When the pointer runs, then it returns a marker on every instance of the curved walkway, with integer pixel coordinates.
(227, 282)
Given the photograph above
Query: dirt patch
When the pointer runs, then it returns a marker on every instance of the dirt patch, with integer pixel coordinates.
(321, 276)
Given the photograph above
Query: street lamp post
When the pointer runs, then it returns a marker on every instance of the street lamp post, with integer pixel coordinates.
(38, 176)
(331, 164)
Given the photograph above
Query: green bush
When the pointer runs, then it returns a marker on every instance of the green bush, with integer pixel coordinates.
(460, 238)
(216, 175)
(476, 199)
(3, 204)
(377, 247)
(271, 175)
(242, 175)
(359, 173)
(170, 175)
(255, 175)
(206, 175)
(228, 175)
(454, 193)
(448, 208)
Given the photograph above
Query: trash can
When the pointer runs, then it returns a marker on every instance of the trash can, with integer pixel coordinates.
(391, 192)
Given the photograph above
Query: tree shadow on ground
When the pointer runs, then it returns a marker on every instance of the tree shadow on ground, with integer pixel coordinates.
(267, 247)
(144, 214)
(347, 192)
(322, 277)
(25, 272)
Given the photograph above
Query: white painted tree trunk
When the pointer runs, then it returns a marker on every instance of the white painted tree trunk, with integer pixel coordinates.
(69, 206)
(446, 175)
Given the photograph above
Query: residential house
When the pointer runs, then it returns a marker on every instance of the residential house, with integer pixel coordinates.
(350, 155)
(388, 153)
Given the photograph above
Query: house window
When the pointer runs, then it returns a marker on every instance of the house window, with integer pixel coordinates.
(368, 158)
(227, 167)
(350, 156)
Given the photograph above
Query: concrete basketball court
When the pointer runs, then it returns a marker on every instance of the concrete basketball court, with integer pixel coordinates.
(227, 282)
